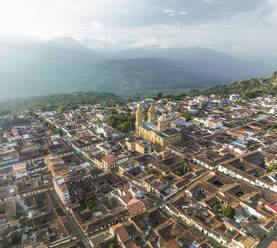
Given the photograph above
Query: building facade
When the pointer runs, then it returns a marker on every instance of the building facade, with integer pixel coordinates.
(157, 132)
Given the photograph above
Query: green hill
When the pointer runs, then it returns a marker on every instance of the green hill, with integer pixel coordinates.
(134, 75)
(252, 88)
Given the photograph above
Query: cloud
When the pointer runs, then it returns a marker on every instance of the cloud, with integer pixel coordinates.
(175, 22)
(147, 42)
(249, 25)
(169, 12)
(172, 12)
(271, 16)
(182, 13)
(96, 25)
(213, 1)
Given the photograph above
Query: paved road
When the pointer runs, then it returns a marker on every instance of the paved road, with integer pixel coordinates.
(267, 241)
(77, 230)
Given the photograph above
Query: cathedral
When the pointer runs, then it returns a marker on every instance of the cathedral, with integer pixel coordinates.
(156, 131)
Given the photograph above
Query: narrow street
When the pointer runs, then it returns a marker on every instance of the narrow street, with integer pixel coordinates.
(267, 241)
(77, 230)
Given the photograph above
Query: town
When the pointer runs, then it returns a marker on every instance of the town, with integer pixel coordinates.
(195, 172)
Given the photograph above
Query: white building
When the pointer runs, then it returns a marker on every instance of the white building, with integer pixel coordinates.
(234, 97)
(212, 123)
(61, 189)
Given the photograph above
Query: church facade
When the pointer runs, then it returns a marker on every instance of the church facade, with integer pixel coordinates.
(157, 131)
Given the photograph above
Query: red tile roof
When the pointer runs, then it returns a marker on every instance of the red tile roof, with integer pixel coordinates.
(121, 232)
(109, 159)
(273, 244)
(135, 206)
(273, 207)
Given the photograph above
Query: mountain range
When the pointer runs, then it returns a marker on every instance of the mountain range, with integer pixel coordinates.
(65, 65)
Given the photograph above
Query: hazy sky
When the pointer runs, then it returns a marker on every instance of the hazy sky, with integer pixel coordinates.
(234, 26)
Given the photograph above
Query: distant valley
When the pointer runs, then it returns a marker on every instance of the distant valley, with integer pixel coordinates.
(251, 88)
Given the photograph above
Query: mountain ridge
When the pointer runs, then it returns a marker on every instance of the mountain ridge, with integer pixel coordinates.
(208, 60)
(65, 65)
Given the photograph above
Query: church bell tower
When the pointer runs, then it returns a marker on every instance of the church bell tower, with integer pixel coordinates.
(162, 123)
(139, 119)
(151, 114)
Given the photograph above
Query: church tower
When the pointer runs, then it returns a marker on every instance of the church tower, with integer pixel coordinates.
(162, 123)
(151, 114)
(139, 119)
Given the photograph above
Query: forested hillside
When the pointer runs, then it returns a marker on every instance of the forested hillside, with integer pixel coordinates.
(252, 88)
(59, 101)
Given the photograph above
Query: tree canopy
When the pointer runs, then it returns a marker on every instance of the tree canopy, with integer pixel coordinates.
(125, 122)
(226, 211)
(91, 203)
(186, 115)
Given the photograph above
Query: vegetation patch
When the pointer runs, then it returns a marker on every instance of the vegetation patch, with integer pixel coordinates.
(226, 211)
(125, 122)
(271, 167)
(91, 202)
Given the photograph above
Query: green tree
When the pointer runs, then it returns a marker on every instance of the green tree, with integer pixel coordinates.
(114, 112)
(272, 166)
(150, 171)
(186, 115)
(91, 203)
(4, 243)
(23, 217)
(2, 240)
(228, 212)
(271, 127)
(185, 161)
(217, 208)
(13, 218)
(113, 245)
(15, 238)
(178, 173)
(125, 122)
(159, 95)
(45, 123)
(58, 131)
